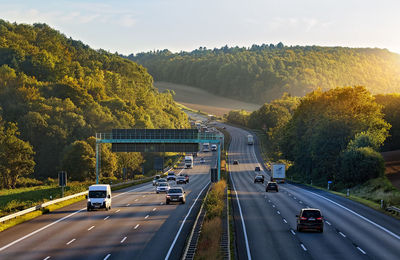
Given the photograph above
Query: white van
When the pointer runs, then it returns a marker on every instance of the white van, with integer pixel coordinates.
(99, 197)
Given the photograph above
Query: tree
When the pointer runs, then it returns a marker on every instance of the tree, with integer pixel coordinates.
(79, 161)
(16, 156)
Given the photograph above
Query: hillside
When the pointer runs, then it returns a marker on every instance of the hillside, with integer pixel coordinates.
(59, 91)
(263, 73)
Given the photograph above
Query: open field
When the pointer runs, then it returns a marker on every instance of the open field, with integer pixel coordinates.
(198, 99)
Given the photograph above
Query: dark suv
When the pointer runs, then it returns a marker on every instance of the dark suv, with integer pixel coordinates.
(310, 219)
(271, 186)
(259, 178)
(176, 194)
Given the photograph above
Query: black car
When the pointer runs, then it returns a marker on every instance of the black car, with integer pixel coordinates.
(310, 219)
(272, 186)
(235, 162)
(257, 169)
(259, 178)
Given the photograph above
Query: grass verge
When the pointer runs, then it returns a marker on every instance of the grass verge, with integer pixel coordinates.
(208, 246)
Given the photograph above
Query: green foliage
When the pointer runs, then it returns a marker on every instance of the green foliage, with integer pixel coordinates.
(263, 73)
(391, 110)
(60, 91)
(358, 165)
(79, 161)
(239, 117)
(322, 127)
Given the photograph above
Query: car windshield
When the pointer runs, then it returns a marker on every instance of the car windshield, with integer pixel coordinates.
(272, 184)
(259, 177)
(97, 194)
(181, 177)
(311, 214)
(157, 177)
(171, 173)
(175, 191)
(163, 184)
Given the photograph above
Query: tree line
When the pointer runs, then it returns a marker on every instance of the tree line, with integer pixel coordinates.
(264, 72)
(56, 93)
(334, 135)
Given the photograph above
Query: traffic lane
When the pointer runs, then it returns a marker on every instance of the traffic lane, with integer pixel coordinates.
(371, 239)
(60, 233)
(328, 245)
(158, 232)
(269, 235)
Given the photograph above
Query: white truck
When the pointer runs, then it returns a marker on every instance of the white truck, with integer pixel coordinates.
(250, 140)
(278, 172)
(99, 197)
(206, 147)
(189, 161)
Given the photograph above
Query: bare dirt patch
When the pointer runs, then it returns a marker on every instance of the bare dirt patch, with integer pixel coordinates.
(204, 101)
(392, 167)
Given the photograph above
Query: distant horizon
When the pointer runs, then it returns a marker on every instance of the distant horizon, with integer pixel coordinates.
(135, 26)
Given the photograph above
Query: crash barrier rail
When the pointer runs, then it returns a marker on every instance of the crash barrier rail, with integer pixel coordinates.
(393, 210)
(48, 203)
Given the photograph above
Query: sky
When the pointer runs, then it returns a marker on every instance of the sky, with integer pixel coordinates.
(142, 25)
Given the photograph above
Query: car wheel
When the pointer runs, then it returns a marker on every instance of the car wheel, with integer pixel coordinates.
(157, 192)
(298, 229)
(266, 190)
(277, 190)
(106, 208)
(88, 208)
(167, 202)
(321, 230)
(183, 201)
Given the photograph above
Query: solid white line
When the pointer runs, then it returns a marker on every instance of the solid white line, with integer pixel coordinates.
(327, 222)
(284, 220)
(136, 226)
(358, 215)
(106, 217)
(47, 258)
(154, 209)
(362, 251)
(343, 235)
(183, 222)
(146, 217)
(107, 256)
(304, 248)
(242, 219)
(122, 241)
(292, 232)
(90, 228)
(117, 211)
(40, 229)
(71, 241)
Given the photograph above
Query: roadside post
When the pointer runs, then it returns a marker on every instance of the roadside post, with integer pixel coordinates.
(329, 183)
(62, 181)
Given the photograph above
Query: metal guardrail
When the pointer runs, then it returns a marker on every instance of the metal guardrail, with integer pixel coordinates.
(394, 210)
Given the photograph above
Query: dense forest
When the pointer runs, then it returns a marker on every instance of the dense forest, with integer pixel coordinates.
(56, 93)
(262, 73)
(329, 135)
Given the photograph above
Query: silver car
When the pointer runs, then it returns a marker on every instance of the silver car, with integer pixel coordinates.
(162, 187)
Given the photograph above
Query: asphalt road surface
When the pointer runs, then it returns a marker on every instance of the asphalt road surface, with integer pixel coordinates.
(265, 222)
(139, 225)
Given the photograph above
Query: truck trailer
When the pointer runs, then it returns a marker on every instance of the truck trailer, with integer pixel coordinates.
(278, 172)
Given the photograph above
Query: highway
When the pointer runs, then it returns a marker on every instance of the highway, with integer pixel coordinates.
(139, 225)
(265, 223)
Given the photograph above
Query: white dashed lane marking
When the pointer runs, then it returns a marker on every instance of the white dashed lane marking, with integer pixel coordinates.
(154, 209)
(292, 232)
(146, 217)
(71, 241)
(107, 256)
(304, 248)
(117, 211)
(362, 251)
(122, 241)
(136, 226)
(90, 228)
(47, 258)
(284, 220)
(106, 217)
(343, 235)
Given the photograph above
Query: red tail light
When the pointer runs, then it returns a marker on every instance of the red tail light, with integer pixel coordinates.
(320, 218)
(303, 218)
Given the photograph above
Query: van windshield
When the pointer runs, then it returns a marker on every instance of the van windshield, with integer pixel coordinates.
(97, 194)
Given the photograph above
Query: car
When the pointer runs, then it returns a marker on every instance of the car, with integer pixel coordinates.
(156, 178)
(257, 169)
(175, 194)
(310, 219)
(186, 177)
(235, 162)
(259, 178)
(202, 160)
(162, 187)
(171, 176)
(181, 180)
(160, 181)
(213, 147)
(272, 186)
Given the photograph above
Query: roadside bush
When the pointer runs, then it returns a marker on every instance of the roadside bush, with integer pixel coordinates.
(359, 165)
(215, 200)
(27, 182)
(208, 246)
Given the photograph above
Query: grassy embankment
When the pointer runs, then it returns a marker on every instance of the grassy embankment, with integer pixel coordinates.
(211, 232)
